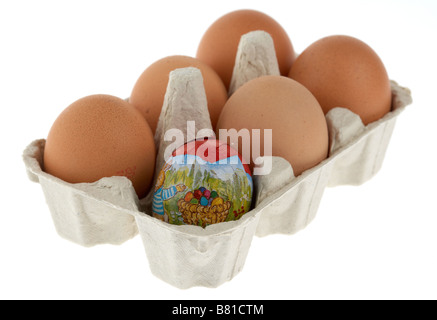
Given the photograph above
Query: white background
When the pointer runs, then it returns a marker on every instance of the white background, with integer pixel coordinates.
(375, 241)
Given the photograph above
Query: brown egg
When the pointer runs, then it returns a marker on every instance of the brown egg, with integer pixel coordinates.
(218, 46)
(101, 136)
(342, 71)
(299, 128)
(149, 91)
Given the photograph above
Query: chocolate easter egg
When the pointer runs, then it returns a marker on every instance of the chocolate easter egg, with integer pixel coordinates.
(203, 182)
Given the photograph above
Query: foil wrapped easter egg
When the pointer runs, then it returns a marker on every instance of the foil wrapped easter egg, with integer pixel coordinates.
(203, 182)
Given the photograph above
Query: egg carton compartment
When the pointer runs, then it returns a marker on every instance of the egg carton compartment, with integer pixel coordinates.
(109, 211)
(356, 155)
(85, 213)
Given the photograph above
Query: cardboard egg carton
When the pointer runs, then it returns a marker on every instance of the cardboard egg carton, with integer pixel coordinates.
(109, 211)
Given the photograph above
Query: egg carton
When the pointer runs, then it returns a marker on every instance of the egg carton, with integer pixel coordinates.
(109, 212)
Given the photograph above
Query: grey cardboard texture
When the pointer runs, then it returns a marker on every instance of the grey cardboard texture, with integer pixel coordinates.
(109, 212)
